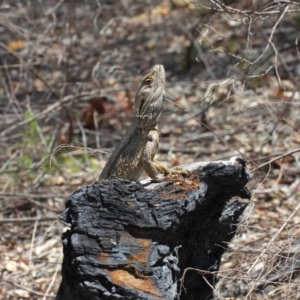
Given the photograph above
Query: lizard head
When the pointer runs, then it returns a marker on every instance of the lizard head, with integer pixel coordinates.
(150, 97)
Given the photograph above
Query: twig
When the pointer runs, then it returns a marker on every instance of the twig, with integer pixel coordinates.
(32, 70)
(40, 196)
(37, 116)
(27, 289)
(32, 242)
(38, 204)
(53, 277)
(276, 158)
(270, 242)
(22, 220)
(213, 132)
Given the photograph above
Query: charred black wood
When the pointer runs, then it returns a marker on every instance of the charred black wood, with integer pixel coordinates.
(132, 240)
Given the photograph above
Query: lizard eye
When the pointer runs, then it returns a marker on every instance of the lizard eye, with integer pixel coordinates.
(148, 81)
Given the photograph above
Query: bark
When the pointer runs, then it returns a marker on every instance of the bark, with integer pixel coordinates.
(131, 240)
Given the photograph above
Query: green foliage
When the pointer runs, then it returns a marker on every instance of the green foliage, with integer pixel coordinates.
(30, 146)
(30, 133)
(47, 167)
(69, 164)
(25, 161)
(297, 21)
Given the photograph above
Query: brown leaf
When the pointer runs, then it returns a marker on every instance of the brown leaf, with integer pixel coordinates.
(16, 45)
(95, 105)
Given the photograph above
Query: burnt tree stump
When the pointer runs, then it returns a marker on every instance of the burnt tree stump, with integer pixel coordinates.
(131, 240)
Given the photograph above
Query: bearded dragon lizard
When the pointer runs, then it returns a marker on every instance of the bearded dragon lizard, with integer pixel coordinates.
(135, 152)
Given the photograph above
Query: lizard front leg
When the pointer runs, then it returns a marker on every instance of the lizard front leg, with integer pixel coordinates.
(153, 167)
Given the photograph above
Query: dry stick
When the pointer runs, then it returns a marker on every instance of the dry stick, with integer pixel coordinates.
(271, 241)
(32, 70)
(84, 141)
(27, 289)
(54, 8)
(97, 135)
(282, 117)
(53, 277)
(276, 158)
(11, 158)
(37, 116)
(229, 9)
(271, 35)
(202, 272)
(32, 242)
(70, 146)
(198, 49)
(24, 195)
(11, 96)
(22, 220)
(268, 45)
(38, 204)
(296, 43)
(213, 132)
(262, 238)
(39, 76)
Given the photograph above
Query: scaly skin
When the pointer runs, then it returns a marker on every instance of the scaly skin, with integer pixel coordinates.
(135, 153)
